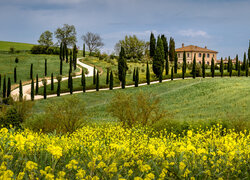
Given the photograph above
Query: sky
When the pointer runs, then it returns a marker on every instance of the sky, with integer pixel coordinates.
(221, 25)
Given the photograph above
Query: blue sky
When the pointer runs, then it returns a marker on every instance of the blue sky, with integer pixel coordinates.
(221, 25)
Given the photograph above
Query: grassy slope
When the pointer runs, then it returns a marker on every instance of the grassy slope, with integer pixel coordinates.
(199, 99)
(5, 46)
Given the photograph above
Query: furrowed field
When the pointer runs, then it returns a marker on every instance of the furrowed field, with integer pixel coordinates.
(112, 152)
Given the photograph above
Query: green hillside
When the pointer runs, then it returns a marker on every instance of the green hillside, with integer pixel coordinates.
(5, 46)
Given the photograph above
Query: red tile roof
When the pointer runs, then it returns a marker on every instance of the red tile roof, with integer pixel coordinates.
(192, 48)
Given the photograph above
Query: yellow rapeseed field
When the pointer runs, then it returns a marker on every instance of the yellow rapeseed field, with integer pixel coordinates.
(112, 152)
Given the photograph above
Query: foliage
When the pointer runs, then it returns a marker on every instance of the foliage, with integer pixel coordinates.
(93, 41)
(172, 49)
(122, 65)
(212, 67)
(40, 49)
(46, 39)
(152, 45)
(158, 60)
(66, 34)
(111, 80)
(136, 109)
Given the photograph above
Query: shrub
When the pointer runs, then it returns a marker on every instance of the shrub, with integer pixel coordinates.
(136, 109)
(39, 49)
(65, 116)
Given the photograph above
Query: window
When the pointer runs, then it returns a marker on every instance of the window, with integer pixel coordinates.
(179, 56)
(207, 62)
(208, 55)
(187, 54)
(199, 54)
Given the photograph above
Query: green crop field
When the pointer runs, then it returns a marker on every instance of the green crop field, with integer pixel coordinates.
(5, 46)
(191, 99)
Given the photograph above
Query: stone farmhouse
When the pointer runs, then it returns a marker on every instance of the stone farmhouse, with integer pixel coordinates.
(192, 51)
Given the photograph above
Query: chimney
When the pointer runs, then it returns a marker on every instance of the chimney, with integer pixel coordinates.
(205, 47)
(182, 44)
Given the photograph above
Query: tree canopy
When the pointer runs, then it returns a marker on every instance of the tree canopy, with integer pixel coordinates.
(46, 39)
(93, 41)
(66, 34)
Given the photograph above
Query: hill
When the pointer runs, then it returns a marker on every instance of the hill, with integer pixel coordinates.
(5, 46)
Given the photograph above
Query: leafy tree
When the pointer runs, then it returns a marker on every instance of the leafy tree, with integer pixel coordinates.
(94, 78)
(107, 77)
(172, 73)
(221, 67)
(148, 75)
(137, 77)
(93, 41)
(83, 81)
(239, 68)
(97, 81)
(15, 79)
(83, 51)
(44, 81)
(133, 47)
(45, 67)
(37, 84)
(16, 60)
(52, 82)
(46, 39)
(175, 63)
(194, 67)
(32, 90)
(4, 87)
(20, 91)
(171, 49)
(66, 34)
(31, 71)
(236, 64)
(111, 79)
(61, 51)
(184, 62)
(8, 87)
(212, 67)
(203, 66)
(59, 78)
(158, 60)
(122, 65)
(152, 45)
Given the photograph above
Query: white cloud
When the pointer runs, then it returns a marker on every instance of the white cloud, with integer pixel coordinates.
(192, 33)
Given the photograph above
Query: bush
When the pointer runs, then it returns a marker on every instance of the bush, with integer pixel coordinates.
(39, 49)
(136, 109)
(65, 116)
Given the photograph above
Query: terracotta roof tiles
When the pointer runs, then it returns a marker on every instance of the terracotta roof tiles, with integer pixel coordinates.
(192, 48)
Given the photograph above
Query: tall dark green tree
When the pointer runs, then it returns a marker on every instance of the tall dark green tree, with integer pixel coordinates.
(194, 67)
(44, 88)
(203, 66)
(137, 77)
(8, 87)
(69, 78)
(148, 75)
(61, 66)
(15, 79)
(249, 54)
(70, 63)
(52, 82)
(158, 61)
(31, 71)
(61, 51)
(97, 81)
(239, 68)
(175, 64)
(172, 73)
(107, 77)
(71, 84)
(122, 65)
(4, 87)
(244, 62)
(160, 78)
(230, 64)
(32, 90)
(37, 84)
(67, 54)
(247, 69)
(152, 45)
(134, 75)
(83, 81)
(111, 79)
(83, 51)
(212, 67)
(184, 62)
(94, 78)
(166, 65)
(171, 50)
(45, 67)
(237, 63)
(221, 67)
(74, 56)
(59, 78)
(20, 91)
(183, 71)
(165, 45)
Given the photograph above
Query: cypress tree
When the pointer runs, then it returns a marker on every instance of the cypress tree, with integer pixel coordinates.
(75, 56)
(230, 66)
(71, 84)
(82, 77)
(249, 54)
(244, 63)
(59, 78)
(122, 65)
(67, 54)
(247, 69)
(111, 80)
(45, 68)
(44, 88)
(31, 71)
(83, 51)
(16, 60)
(183, 71)
(203, 66)
(184, 62)
(172, 74)
(52, 82)
(158, 60)
(97, 81)
(70, 63)
(32, 90)
(15, 75)
(64, 51)
(61, 66)
(148, 75)
(166, 65)
(239, 69)
(8, 88)
(165, 45)
(83, 81)
(212, 67)
(221, 67)
(123, 79)
(94, 79)
(69, 79)
(152, 45)
(194, 67)
(20, 91)
(160, 77)
(171, 50)
(107, 77)
(134, 75)
(37, 84)
(175, 63)
(4, 87)
(236, 65)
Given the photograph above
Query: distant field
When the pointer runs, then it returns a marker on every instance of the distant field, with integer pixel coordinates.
(192, 99)
(5, 46)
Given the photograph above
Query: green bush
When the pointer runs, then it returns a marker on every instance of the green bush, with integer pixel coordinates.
(39, 49)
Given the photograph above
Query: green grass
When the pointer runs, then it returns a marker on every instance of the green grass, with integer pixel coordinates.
(192, 99)
(5, 46)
